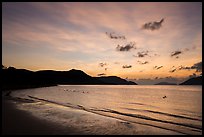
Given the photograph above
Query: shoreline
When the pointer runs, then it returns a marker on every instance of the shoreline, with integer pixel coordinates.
(6, 89)
(21, 116)
(20, 122)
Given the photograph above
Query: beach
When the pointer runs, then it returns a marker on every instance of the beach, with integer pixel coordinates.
(16, 121)
(90, 110)
(19, 122)
(102, 68)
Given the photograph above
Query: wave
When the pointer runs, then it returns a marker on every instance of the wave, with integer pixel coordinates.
(191, 113)
(149, 118)
(141, 104)
(166, 114)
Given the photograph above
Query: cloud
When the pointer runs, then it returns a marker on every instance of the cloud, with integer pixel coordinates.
(153, 25)
(192, 76)
(142, 63)
(173, 70)
(168, 77)
(102, 64)
(145, 53)
(101, 74)
(197, 66)
(182, 67)
(175, 53)
(157, 67)
(127, 66)
(75, 25)
(114, 36)
(154, 67)
(141, 54)
(127, 47)
(178, 52)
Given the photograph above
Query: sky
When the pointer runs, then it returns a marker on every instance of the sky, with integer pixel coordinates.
(140, 41)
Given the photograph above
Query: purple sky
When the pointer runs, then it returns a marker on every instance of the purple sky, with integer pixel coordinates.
(130, 39)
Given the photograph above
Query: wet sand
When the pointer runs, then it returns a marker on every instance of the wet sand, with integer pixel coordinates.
(19, 122)
(69, 122)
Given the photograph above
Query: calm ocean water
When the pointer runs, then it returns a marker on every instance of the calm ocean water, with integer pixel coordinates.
(180, 111)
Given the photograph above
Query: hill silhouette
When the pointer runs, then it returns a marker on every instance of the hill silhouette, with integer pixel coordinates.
(13, 78)
(165, 83)
(115, 80)
(193, 81)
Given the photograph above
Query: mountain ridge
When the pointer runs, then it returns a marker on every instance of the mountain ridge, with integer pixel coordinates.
(193, 81)
(21, 78)
(115, 80)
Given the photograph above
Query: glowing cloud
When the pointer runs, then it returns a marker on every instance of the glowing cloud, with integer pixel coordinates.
(127, 47)
(196, 66)
(141, 54)
(127, 66)
(142, 63)
(114, 36)
(173, 70)
(102, 64)
(101, 74)
(157, 67)
(153, 25)
(175, 53)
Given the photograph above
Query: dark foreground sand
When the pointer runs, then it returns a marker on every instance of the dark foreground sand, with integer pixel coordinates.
(19, 122)
(74, 122)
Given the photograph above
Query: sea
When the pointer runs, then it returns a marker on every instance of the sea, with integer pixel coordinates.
(169, 109)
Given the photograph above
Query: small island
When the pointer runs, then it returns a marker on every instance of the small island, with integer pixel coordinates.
(165, 83)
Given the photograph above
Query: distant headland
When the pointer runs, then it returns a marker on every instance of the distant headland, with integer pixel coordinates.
(165, 83)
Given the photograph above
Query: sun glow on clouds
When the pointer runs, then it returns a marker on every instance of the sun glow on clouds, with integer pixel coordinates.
(74, 36)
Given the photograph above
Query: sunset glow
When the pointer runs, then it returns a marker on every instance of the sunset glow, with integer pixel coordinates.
(135, 41)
